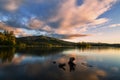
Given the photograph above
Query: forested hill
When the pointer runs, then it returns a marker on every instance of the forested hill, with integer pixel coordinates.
(8, 39)
(42, 41)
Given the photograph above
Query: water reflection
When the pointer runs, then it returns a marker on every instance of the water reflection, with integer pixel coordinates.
(17, 55)
(41, 51)
(65, 64)
(6, 54)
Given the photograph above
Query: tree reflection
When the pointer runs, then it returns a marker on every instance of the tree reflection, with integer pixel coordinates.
(41, 51)
(56, 67)
(6, 54)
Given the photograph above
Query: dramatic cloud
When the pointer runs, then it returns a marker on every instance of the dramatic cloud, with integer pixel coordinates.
(63, 18)
(88, 13)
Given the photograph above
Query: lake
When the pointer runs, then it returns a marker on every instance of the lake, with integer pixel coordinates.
(96, 63)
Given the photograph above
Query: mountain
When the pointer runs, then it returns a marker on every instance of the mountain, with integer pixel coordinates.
(42, 41)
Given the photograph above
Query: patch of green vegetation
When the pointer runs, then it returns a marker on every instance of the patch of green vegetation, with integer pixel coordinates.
(7, 39)
(43, 41)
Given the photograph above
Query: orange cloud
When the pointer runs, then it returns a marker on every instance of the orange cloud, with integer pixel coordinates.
(75, 36)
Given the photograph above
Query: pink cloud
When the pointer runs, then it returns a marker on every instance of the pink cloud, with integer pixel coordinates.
(39, 24)
(12, 5)
(74, 17)
(35, 23)
(99, 21)
(17, 31)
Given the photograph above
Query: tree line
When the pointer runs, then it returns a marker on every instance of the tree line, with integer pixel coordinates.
(7, 38)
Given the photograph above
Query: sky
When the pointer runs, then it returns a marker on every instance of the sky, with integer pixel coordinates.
(70, 20)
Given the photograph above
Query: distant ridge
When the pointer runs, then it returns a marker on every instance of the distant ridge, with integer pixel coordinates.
(43, 41)
(46, 41)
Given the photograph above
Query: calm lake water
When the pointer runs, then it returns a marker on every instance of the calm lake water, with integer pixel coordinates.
(55, 64)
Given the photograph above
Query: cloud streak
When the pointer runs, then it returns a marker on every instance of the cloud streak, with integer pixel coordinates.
(75, 36)
(114, 25)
